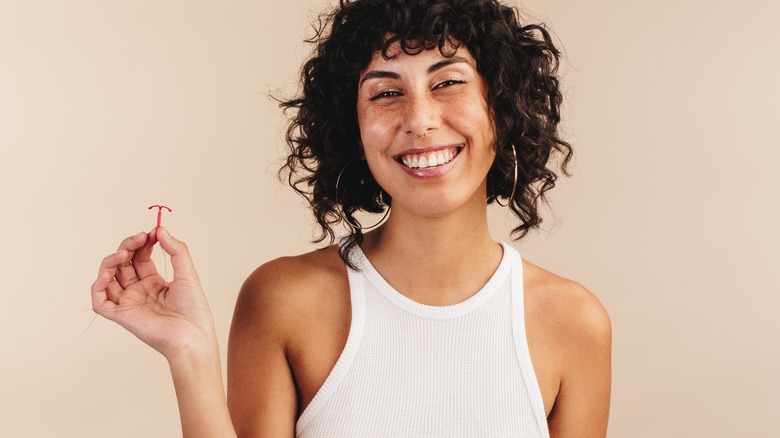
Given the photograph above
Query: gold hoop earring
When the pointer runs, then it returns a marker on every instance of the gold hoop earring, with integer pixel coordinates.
(514, 182)
(344, 217)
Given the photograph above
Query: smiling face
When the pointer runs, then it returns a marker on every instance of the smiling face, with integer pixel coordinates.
(426, 129)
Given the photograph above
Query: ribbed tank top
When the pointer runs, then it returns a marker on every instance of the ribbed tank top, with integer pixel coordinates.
(414, 370)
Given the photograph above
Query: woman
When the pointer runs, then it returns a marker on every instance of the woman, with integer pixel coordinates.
(425, 111)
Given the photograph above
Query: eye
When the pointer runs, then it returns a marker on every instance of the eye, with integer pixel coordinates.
(448, 83)
(385, 94)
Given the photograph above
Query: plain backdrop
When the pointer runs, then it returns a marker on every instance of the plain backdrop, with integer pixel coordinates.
(107, 107)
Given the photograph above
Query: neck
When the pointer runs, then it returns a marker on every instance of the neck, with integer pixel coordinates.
(437, 261)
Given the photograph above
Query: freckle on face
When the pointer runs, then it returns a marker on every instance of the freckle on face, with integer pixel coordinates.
(448, 104)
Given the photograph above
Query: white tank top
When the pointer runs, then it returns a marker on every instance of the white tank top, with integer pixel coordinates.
(413, 370)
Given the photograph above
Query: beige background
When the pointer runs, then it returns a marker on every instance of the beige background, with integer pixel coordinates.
(671, 218)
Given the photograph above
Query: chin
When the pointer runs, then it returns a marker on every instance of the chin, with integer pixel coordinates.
(436, 205)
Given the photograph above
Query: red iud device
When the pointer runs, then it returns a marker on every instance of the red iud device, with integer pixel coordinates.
(159, 212)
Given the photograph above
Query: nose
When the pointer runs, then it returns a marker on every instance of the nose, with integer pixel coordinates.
(422, 115)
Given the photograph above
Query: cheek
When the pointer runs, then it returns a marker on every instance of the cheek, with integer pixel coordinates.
(377, 130)
(375, 137)
(474, 118)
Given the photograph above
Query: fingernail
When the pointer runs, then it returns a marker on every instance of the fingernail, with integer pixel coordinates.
(165, 232)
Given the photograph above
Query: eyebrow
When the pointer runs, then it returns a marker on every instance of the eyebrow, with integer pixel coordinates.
(379, 74)
(382, 74)
(448, 61)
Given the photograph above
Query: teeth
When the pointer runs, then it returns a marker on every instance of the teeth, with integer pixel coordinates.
(432, 159)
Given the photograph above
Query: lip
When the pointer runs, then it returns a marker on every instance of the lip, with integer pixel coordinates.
(433, 171)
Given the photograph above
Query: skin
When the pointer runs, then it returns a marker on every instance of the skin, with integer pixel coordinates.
(435, 248)
(174, 319)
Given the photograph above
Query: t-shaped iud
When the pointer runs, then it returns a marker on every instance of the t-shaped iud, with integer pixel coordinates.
(159, 212)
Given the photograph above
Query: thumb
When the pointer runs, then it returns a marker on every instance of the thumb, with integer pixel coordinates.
(183, 268)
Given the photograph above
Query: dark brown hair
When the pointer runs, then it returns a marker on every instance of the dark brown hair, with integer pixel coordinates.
(518, 61)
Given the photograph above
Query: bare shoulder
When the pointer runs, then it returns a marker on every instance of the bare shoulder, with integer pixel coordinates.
(287, 287)
(570, 339)
(564, 306)
(294, 273)
(286, 306)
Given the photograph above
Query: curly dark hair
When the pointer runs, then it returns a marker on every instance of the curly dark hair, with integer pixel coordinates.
(519, 63)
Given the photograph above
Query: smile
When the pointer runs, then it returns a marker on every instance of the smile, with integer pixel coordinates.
(429, 159)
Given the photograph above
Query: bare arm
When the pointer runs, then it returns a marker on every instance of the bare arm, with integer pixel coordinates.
(582, 406)
(174, 319)
(197, 379)
(261, 391)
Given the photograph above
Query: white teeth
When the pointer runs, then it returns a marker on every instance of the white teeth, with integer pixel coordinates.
(421, 161)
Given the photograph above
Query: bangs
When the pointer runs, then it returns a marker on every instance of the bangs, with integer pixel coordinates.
(415, 44)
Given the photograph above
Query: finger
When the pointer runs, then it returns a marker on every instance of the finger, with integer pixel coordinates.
(114, 291)
(107, 275)
(100, 302)
(98, 291)
(126, 274)
(183, 268)
(142, 259)
(109, 266)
